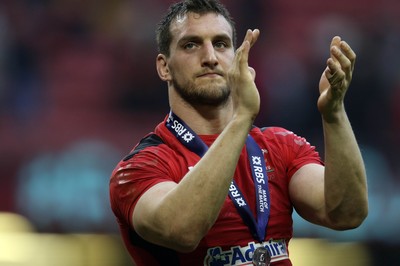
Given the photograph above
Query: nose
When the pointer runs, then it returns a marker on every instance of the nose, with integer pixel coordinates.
(209, 57)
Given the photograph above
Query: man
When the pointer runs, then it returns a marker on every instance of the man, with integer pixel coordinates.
(209, 188)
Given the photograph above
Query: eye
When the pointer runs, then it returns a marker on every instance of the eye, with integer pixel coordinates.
(190, 45)
(221, 45)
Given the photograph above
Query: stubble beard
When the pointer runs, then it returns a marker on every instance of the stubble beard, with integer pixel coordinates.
(212, 95)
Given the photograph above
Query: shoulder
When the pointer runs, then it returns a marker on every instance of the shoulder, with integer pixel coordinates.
(154, 139)
(283, 136)
(146, 165)
(285, 143)
(152, 154)
(275, 131)
(151, 140)
(274, 134)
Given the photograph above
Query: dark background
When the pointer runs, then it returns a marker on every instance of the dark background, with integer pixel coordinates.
(78, 88)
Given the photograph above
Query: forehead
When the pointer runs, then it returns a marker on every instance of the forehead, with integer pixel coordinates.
(205, 25)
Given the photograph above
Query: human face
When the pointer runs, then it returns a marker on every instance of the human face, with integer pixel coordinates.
(201, 54)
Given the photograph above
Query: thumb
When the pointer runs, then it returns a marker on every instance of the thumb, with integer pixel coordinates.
(252, 72)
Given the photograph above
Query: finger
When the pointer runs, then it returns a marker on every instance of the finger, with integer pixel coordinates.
(334, 73)
(243, 58)
(242, 53)
(330, 71)
(342, 61)
(253, 72)
(349, 53)
(251, 36)
(334, 43)
(255, 35)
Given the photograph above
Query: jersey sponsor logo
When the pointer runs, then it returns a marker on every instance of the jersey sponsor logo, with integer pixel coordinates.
(269, 168)
(258, 170)
(181, 130)
(238, 255)
(236, 195)
(260, 178)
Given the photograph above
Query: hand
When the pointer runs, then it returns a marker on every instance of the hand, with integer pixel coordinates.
(241, 78)
(336, 79)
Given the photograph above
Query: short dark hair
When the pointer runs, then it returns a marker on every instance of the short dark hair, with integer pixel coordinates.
(163, 32)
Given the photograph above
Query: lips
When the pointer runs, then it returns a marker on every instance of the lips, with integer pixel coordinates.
(211, 74)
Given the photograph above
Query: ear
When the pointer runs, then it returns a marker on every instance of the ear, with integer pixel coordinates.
(162, 68)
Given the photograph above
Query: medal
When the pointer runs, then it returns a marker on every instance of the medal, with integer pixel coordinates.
(261, 257)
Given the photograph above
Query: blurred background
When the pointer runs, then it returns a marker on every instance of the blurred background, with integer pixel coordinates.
(78, 88)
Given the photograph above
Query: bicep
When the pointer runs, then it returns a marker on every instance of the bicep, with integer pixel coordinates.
(306, 190)
(145, 211)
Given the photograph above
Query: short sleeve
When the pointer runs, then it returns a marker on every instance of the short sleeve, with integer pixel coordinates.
(133, 177)
(293, 151)
(303, 153)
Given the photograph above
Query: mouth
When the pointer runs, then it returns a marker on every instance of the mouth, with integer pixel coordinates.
(210, 75)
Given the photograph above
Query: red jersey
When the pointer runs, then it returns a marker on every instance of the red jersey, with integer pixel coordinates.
(161, 157)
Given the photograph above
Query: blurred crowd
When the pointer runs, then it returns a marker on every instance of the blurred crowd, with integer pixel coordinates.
(78, 88)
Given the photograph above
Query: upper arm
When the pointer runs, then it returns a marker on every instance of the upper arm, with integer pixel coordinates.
(306, 190)
(144, 214)
(162, 218)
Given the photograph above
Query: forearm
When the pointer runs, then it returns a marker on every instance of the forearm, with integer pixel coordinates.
(186, 213)
(208, 182)
(345, 178)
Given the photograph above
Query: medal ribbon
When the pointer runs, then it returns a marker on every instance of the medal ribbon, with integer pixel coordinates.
(194, 143)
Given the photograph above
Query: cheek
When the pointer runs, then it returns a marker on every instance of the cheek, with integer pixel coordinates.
(178, 76)
(228, 61)
(181, 70)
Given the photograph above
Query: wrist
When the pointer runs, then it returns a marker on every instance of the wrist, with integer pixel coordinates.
(335, 115)
(243, 120)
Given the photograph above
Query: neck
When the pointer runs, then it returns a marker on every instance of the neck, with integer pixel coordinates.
(204, 120)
